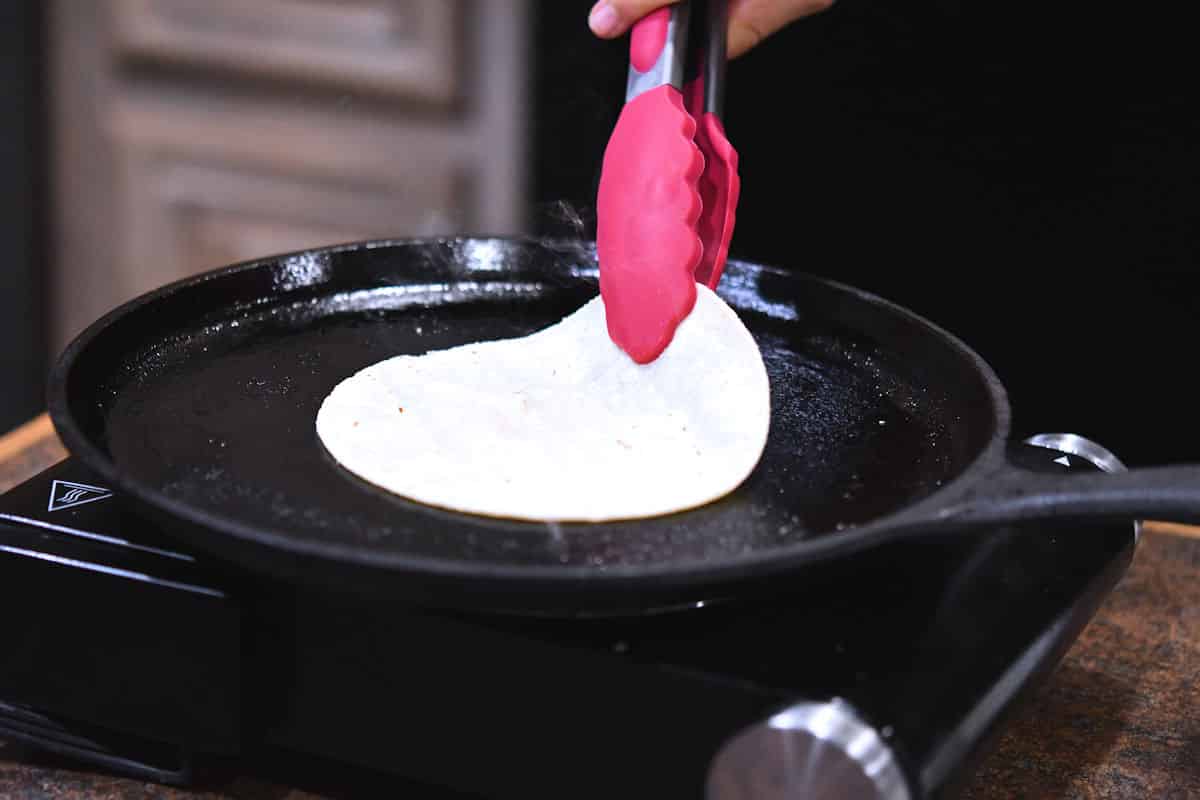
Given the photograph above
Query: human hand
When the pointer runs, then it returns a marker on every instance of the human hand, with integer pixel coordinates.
(750, 21)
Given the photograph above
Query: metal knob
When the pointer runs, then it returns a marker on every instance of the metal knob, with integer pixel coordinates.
(1070, 444)
(815, 751)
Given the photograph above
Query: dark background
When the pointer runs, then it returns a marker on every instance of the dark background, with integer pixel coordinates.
(22, 339)
(1026, 176)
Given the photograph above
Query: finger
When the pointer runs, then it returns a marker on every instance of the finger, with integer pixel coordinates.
(611, 18)
(751, 21)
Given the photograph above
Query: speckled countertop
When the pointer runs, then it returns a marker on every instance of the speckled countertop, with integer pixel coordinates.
(1119, 718)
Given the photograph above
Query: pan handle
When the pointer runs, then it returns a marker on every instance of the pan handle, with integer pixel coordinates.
(1017, 493)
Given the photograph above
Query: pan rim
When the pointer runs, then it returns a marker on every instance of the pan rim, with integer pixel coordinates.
(668, 575)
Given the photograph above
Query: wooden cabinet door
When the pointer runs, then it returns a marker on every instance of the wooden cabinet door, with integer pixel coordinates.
(188, 215)
(190, 134)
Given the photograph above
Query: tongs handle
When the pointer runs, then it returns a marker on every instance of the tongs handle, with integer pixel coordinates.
(658, 50)
(662, 51)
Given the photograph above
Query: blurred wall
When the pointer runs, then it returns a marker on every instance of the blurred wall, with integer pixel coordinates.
(1028, 177)
(22, 341)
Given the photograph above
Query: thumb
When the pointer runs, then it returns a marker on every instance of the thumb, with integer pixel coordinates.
(609, 19)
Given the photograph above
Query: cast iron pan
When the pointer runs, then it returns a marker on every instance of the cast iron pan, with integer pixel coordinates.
(198, 401)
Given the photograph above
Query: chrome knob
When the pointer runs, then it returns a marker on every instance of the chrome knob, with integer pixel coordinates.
(1100, 457)
(1069, 444)
(814, 751)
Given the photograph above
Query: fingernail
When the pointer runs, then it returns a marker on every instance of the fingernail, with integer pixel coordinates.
(603, 19)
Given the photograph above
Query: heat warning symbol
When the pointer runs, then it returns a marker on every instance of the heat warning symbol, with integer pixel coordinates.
(64, 494)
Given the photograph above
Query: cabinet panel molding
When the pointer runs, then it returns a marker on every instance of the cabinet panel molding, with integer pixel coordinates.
(404, 48)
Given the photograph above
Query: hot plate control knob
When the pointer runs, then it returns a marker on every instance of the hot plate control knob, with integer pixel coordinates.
(808, 750)
(1076, 451)
(1071, 445)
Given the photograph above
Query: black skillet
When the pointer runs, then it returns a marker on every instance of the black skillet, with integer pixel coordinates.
(198, 401)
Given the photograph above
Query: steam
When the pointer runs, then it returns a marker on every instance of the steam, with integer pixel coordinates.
(562, 219)
(567, 232)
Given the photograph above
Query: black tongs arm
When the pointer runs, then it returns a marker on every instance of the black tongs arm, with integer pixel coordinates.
(708, 55)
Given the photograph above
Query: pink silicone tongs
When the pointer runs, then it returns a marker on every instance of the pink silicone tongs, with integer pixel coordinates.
(669, 184)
